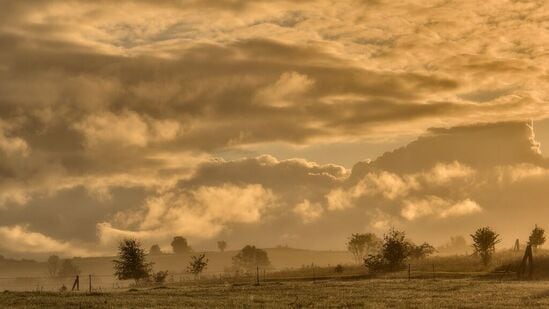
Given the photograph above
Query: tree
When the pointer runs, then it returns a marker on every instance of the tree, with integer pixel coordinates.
(155, 250)
(222, 245)
(251, 257)
(484, 243)
(180, 245)
(537, 237)
(394, 250)
(361, 245)
(131, 263)
(53, 265)
(68, 269)
(197, 264)
(420, 252)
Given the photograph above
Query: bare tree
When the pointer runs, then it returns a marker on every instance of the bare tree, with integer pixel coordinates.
(53, 265)
(68, 269)
(360, 245)
(197, 265)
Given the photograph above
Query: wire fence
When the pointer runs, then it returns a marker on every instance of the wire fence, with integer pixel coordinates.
(90, 283)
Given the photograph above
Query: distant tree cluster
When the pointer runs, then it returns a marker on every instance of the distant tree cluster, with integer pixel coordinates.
(249, 258)
(394, 250)
(180, 245)
(61, 268)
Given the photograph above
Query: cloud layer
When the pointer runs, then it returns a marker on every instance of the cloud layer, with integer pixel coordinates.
(113, 116)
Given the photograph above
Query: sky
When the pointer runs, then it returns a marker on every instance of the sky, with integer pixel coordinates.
(269, 122)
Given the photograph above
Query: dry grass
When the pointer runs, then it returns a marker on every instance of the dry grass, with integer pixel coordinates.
(372, 293)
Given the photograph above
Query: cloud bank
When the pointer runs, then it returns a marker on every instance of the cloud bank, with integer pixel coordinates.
(113, 117)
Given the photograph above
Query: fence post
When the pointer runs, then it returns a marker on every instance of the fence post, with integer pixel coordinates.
(76, 283)
(257, 275)
(90, 277)
(409, 277)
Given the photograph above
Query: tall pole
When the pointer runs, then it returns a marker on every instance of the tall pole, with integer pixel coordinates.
(257, 275)
(90, 276)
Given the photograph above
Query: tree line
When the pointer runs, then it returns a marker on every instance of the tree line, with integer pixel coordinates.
(131, 262)
(391, 251)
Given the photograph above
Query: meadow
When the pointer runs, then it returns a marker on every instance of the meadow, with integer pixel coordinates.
(437, 281)
(363, 293)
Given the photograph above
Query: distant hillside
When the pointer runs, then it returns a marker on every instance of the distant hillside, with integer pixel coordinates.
(281, 258)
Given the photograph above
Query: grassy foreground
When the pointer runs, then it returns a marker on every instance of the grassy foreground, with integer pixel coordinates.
(371, 293)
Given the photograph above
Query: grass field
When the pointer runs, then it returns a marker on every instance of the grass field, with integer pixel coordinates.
(369, 293)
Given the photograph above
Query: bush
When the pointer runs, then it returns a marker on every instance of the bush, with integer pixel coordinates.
(376, 263)
(338, 269)
(395, 249)
(160, 277)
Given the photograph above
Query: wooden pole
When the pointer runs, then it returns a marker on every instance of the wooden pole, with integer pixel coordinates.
(409, 269)
(257, 276)
(76, 284)
(433, 271)
(90, 277)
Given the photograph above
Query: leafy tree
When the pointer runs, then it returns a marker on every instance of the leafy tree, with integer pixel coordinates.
(131, 263)
(222, 245)
(180, 245)
(484, 243)
(53, 265)
(395, 248)
(251, 257)
(68, 269)
(420, 252)
(155, 250)
(537, 237)
(197, 264)
(361, 245)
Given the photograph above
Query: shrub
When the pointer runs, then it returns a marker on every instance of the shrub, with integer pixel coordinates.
(160, 276)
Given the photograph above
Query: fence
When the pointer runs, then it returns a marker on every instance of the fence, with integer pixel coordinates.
(104, 283)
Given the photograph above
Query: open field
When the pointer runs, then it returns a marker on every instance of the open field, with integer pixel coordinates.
(369, 293)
